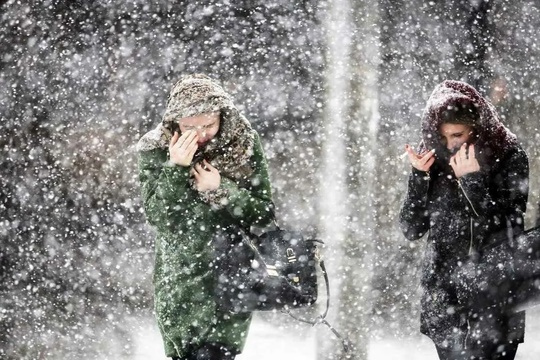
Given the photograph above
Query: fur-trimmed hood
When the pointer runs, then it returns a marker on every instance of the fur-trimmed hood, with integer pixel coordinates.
(196, 94)
(493, 138)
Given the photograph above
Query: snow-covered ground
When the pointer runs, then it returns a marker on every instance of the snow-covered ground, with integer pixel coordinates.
(268, 342)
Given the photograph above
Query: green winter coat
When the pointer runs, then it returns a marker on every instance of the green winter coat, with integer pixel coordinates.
(184, 300)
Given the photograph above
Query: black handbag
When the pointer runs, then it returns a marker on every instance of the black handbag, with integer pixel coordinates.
(506, 274)
(274, 271)
(526, 269)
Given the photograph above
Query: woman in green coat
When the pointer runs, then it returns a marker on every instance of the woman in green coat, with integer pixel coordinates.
(201, 169)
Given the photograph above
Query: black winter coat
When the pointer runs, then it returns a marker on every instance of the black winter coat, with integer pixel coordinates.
(461, 217)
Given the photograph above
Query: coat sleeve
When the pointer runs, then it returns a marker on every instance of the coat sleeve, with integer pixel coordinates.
(509, 197)
(414, 217)
(165, 187)
(251, 205)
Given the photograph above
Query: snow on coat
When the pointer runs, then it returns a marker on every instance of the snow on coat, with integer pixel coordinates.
(460, 217)
(186, 220)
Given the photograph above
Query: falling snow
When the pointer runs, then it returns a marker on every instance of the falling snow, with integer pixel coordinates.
(335, 88)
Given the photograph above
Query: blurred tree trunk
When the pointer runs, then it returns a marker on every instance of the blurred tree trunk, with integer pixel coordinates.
(473, 50)
(363, 154)
(333, 183)
(514, 87)
(349, 171)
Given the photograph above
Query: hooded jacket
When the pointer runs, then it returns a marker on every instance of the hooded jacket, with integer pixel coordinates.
(185, 219)
(460, 217)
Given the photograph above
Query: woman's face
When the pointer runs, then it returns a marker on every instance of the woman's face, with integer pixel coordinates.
(455, 135)
(206, 126)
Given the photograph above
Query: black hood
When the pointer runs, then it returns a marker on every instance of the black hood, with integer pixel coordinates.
(493, 139)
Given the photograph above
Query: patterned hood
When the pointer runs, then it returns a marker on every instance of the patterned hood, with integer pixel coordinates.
(197, 94)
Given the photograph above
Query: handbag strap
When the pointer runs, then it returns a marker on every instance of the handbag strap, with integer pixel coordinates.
(321, 319)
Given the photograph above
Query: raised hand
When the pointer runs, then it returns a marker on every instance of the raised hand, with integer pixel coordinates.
(421, 161)
(464, 161)
(182, 148)
(206, 176)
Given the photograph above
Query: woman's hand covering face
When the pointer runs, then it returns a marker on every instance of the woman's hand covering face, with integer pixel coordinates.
(464, 161)
(182, 148)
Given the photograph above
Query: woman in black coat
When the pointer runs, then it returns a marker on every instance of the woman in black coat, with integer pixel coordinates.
(468, 185)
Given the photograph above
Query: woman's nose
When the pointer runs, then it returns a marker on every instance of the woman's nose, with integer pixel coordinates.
(450, 144)
(201, 134)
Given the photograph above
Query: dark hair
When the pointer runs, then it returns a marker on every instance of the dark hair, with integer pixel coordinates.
(460, 113)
